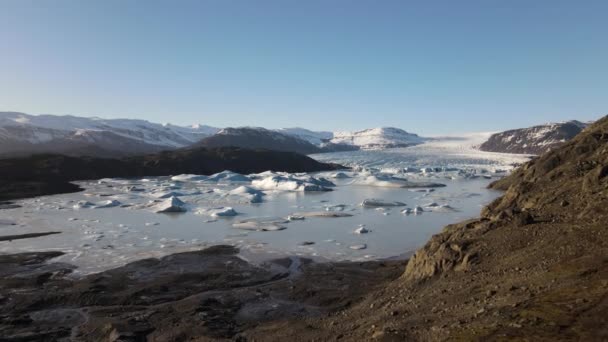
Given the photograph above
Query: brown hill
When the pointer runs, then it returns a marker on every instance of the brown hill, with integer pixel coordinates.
(534, 267)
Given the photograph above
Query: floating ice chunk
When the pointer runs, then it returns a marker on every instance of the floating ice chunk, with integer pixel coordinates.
(418, 210)
(250, 194)
(337, 207)
(323, 214)
(227, 177)
(358, 247)
(83, 205)
(188, 178)
(261, 224)
(407, 211)
(107, 204)
(373, 202)
(340, 175)
(361, 230)
(225, 211)
(170, 205)
(307, 243)
(149, 224)
(288, 183)
(218, 212)
(295, 218)
(432, 205)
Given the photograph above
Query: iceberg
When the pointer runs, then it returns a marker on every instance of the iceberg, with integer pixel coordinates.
(218, 212)
(170, 205)
(106, 204)
(291, 183)
(228, 177)
(250, 194)
(83, 205)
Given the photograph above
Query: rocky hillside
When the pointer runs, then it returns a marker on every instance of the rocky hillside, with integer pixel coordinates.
(533, 267)
(256, 137)
(50, 173)
(533, 140)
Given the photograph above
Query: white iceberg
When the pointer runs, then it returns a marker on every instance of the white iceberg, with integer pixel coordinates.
(218, 212)
(358, 247)
(290, 183)
(83, 205)
(250, 194)
(170, 205)
(340, 175)
(228, 177)
(107, 204)
(361, 230)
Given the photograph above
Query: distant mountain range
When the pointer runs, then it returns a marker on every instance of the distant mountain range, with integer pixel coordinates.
(23, 134)
(533, 140)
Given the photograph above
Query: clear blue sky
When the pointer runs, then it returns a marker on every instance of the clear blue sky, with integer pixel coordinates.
(431, 67)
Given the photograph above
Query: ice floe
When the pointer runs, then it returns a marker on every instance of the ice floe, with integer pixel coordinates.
(390, 181)
(373, 203)
(322, 214)
(107, 204)
(361, 230)
(261, 224)
(358, 247)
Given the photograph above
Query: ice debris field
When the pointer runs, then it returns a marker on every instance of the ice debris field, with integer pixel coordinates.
(379, 208)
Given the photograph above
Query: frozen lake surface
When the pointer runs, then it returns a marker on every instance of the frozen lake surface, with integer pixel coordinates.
(115, 221)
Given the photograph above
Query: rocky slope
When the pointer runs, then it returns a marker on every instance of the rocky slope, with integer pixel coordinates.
(257, 137)
(50, 173)
(533, 267)
(533, 140)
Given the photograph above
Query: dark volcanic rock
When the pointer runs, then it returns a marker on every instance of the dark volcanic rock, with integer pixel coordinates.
(47, 174)
(201, 295)
(533, 140)
(257, 137)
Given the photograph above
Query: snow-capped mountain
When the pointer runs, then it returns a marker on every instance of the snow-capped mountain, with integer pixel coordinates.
(316, 138)
(22, 133)
(377, 138)
(533, 140)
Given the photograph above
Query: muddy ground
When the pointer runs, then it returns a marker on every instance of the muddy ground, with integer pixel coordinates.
(209, 294)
